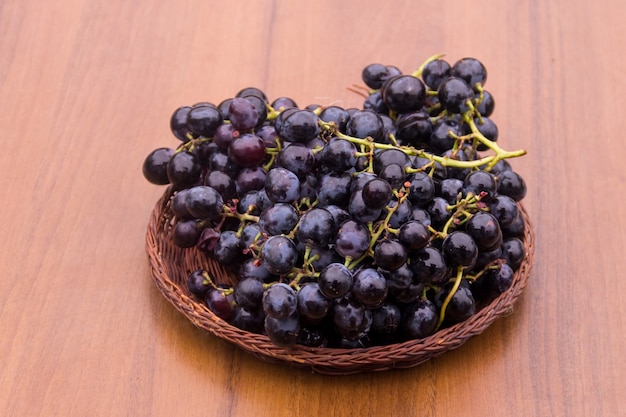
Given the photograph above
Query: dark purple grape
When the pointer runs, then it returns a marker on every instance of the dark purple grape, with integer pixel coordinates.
(394, 174)
(247, 150)
(282, 332)
(242, 114)
(352, 240)
(179, 206)
(484, 228)
(516, 228)
(203, 120)
(369, 287)
(228, 249)
(486, 105)
(248, 294)
(377, 193)
(278, 219)
(225, 135)
(414, 235)
(316, 227)
(339, 154)
(279, 254)
(511, 184)
(428, 266)
(360, 210)
(297, 158)
(414, 129)
(220, 161)
(186, 233)
(249, 179)
(513, 252)
(500, 279)
(389, 156)
(220, 303)
(390, 254)
(283, 103)
(260, 106)
(401, 215)
(204, 202)
(334, 189)
(252, 91)
(480, 183)
(434, 72)
(419, 319)
(313, 306)
(198, 283)
(453, 94)
(178, 123)
(404, 93)
(155, 166)
(375, 75)
(488, 129)
(349, 317)
(440, 138)
(461, 306)
(335, 280)
(337, 115)
(282, 185)
(279, 301)
(364, 124)
(386, 319)
(421, 189)
(249, 320)
(459, 249)
(438, 212)
(299, 126)
(471, 70)
(374, 102)
(222, 183)
(504, 208)
(450, 189)
(183, 169)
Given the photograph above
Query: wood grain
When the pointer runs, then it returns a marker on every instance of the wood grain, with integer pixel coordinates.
(87, 88)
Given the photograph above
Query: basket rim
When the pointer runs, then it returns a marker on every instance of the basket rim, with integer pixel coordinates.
(334, 361)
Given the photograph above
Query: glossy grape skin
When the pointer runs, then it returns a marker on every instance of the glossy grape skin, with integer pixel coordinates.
(249, 320)
(369, 287)
(260, 106)
(282, 332)
(222, 183)
(349, 317)
(247, 150)
(178, 123)
(282, 103)
(471, 70)
(366, 123)
(419, 319)
(386, 319)
(428, 266)
(434, 72)
(183, 169)
(252, 91)
(511, 184)
(414, 129)
(198, 284)
(204, 202)
(513, 252)
(279, 254)
(299, 126)
(203, 120)
(453, 94)
(282, 185)
(377, 193)
(313, 306)
(421, 189)
(220, 303)
(387, 157)
(334, 189)
(504, 208)
(250, 179)
(335, 280)
(438, 212)
(242, 114)
(500, 279)
(228, 249)
(449, 189)
(220, 161)
(278, 219)
(401, 215)
(486, 104)
(179, 206)
(252, 268)
(484, 228)
(404, 93)
(316, 226)
(186, 233)
(155, 166)
(462, 305)
(390, 254)
(375, 102)
(358, 209)
(375, 75)
(337, 115)
(440, 138)
(414, 235)
(297, 158)
(459, 249)
(480, 183)
(248, 294)
(279, 301)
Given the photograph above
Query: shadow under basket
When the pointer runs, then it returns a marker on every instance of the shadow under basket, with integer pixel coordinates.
(171, 265)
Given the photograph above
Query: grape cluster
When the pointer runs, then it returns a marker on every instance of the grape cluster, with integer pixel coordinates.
(348, 227)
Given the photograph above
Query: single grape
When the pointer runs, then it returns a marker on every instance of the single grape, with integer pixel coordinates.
(421, 189)
(248, 294)
(198, 283)
(414, 129)
(428, 266)
(204, 202)
(313, 306)
(504, 208)
(280, 301)
(337, 115)
(316, 226)
(335, 280)
(222, 183)
(484, 228)
(434, 72)
(249, 320)
(155, 166)
(203, 120)
(364, 124)
(339, 154)
(283, 103)
(390, 254)
(278, 219)
(228, 249)
(282, 185)
(279, 254)
(513, 252)
(459, 249)
(419, 319)
(369, 287)
(299, 126)
(404, 93)
(480, 183)
(247, 150)
(471, 70)
(249, 179)
(178, 123)
(377, 193)
(220, 303)
(414, 235)
(461, 306)
(282, 332)
(183, 169)
(375, 75)
(511, 184)
(297, 158)
(242, 114)
(453, 94)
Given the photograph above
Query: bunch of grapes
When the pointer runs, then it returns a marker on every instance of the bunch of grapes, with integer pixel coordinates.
(348, 227)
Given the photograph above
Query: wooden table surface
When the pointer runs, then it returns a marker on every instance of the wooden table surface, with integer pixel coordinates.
(86, 91)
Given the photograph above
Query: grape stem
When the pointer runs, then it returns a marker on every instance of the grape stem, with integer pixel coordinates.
(455, 287)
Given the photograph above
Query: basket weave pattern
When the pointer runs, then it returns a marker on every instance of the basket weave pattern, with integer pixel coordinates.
(171, 265)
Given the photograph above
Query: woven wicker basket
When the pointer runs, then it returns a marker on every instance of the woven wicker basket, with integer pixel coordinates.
(171, 265)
